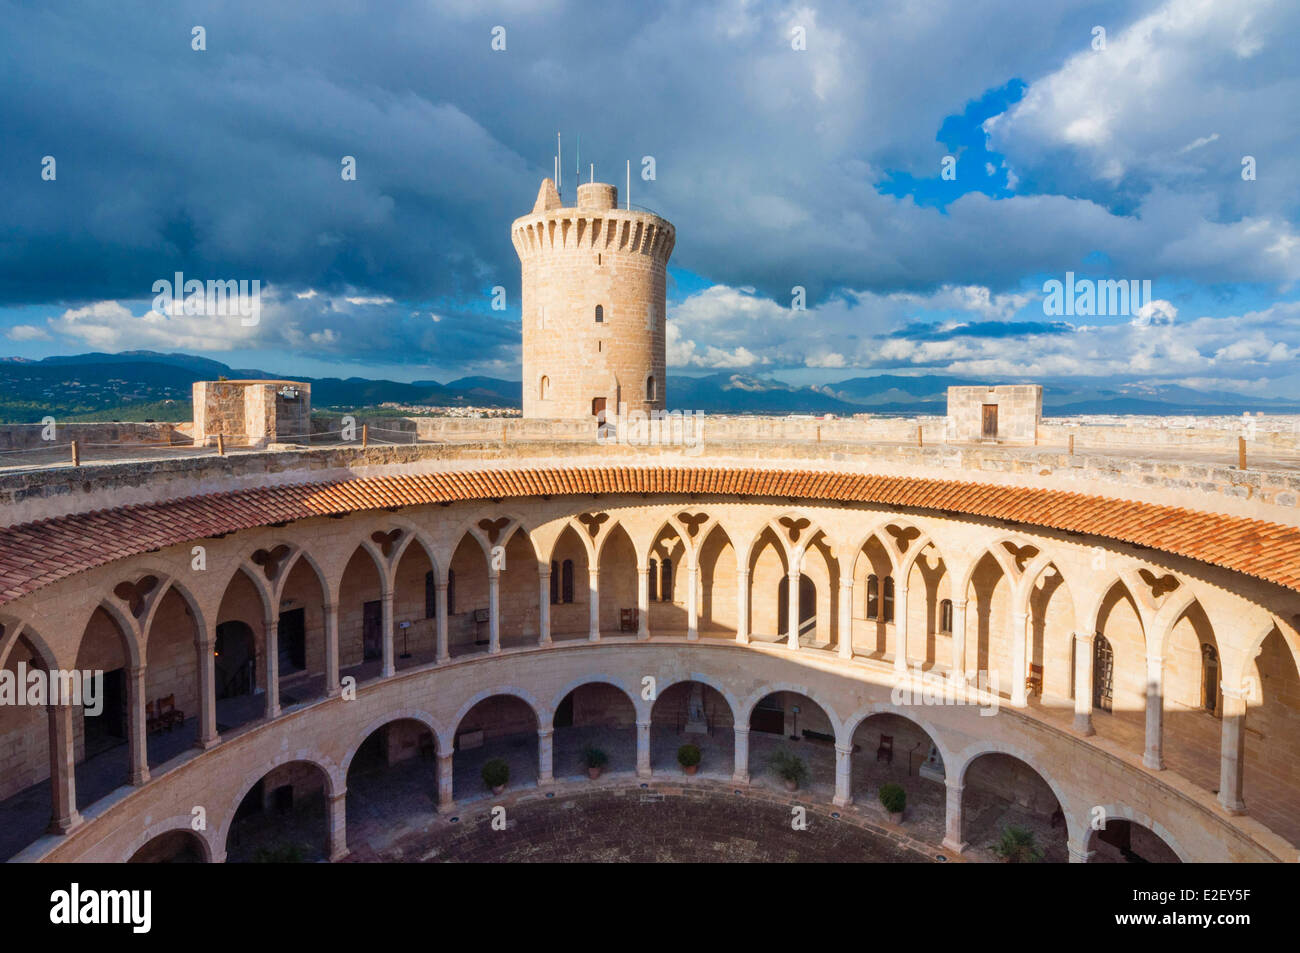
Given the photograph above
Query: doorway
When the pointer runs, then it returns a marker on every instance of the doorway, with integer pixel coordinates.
(292, 641)
(372, 626)
(807, 605)
(235, 663)
(108, 728)
(990, 421)
(1103, 673)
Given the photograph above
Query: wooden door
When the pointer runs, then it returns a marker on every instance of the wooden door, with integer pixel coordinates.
(990, 420)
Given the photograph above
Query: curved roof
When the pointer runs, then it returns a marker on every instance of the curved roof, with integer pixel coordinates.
(33, 555)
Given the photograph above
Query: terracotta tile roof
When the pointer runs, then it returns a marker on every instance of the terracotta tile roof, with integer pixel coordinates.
(33, 555)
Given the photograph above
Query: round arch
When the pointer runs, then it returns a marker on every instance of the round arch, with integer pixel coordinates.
(1125, 813)
(182, 823)
(987, 746)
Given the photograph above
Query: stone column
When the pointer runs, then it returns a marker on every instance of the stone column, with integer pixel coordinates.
(1083, 684)
(846, 619)
(446, 777)
(271, 624)
(494, 612)
(1079, 854)
(332, 687)
(544, 606)
(1154, 755)
(740, 767)
(137, 737)
(338, 839)
(959, 639)
(843, 775)
(593, 609)
(643, 749)
(952, 818)
(692, 601)
(1018, 622)
(792, 604)
(205, 649)
(1232, 750)
(643, 602)
(900, 626)
(545, 755)
(440, 596)
(63, 770)
(386, 611)
(742, 606)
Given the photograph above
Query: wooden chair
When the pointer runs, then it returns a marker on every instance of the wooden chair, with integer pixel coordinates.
(886, 750)
(168, 714)
(1034, 683)
(151, 723)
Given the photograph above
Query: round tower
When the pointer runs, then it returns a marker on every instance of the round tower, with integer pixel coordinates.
(593, 304)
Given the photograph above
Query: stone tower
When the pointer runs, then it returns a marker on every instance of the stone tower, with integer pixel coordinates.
(593, 304)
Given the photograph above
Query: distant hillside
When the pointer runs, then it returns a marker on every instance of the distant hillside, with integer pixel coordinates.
(137, 383)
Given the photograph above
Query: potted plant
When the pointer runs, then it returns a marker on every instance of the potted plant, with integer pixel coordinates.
(595, 759)
(894, 800)
(1018, 845)
(688, 756)
(790, 768)
(496, 775)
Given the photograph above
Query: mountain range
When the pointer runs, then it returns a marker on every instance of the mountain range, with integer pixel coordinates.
(97, 384)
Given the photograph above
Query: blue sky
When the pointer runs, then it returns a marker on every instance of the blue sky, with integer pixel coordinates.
(780, 167)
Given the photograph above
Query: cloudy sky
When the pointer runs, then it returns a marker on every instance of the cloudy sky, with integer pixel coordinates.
(794, 145)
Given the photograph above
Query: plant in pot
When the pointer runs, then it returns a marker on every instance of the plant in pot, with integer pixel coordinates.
(496, 775)
(595, 759)
(1018, 845)
(894, 800)
(790, 768)
(688, 756)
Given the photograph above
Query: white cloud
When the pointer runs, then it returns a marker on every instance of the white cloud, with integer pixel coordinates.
(27, 332)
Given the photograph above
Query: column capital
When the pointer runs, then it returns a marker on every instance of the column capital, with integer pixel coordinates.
(846, 582)
(643, 724)
(1235, 692)
(545, 732)
(330, 606)
(1085, 637)
(959, 604)
(445, 755)
(1078, 853)
(741, 729)
(954, 787)
(440, 585)
(843, 749)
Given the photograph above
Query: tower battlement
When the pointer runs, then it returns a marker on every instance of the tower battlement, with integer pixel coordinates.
(593, 299)
(596, 223)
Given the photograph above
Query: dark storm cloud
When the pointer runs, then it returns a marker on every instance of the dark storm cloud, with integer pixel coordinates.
(225, 163)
